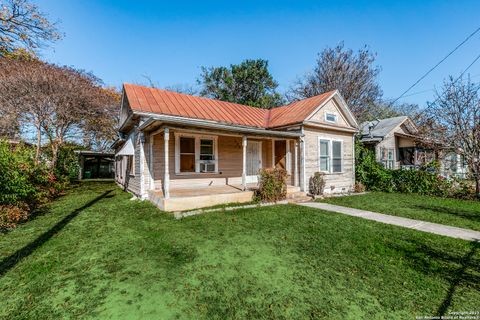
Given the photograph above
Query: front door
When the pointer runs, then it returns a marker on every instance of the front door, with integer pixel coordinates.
(280, 154)
(254, 160)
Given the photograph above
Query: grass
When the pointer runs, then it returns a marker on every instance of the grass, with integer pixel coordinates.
(453, 212)
(96, 254)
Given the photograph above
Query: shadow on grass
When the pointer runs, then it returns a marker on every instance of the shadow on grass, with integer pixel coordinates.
(466, 214)
(459, 276)
(12, 260)
(457, 270)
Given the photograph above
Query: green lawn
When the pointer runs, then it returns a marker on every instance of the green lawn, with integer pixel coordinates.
(453, 212)
(96, 254)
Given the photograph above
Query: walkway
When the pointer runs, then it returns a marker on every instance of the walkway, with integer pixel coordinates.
(453, 232)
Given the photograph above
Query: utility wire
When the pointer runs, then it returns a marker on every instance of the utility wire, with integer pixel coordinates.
(451, 84)
(435, 66)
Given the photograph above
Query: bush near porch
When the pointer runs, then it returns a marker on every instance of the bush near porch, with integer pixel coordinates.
(272, 185)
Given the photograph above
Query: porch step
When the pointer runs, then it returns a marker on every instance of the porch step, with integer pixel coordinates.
(298, 196)
(300, 199)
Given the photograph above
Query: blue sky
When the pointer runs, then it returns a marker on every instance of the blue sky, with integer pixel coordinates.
(120, 41)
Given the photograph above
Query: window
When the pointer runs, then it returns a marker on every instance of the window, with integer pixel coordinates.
(330, 155)
(195, 153)
(330, 117)
(324, 155)
(336, 156)
(387, 158)
(207, 156)
(187, 154)
(131, 165)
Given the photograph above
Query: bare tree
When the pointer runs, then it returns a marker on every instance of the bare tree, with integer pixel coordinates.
(353, 74)
(456, 117)
(23, 25)
(61, 102)
(183, 88)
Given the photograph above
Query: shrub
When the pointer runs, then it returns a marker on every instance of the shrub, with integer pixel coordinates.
(24, 185)
(359, 187)
(316, 184)
(11, 215)
(273, 185)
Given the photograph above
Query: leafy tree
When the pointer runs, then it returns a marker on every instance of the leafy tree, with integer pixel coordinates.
(249, 83)
(23, 25)
(353, 74)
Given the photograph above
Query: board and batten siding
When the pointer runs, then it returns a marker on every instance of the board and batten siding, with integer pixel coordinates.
(335, 182)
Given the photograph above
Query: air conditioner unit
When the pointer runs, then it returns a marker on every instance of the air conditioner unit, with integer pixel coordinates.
(207, 167)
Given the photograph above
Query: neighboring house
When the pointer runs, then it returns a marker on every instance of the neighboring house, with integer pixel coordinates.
(95, 164)
(182, 151)
(394, 141)
(397, 145)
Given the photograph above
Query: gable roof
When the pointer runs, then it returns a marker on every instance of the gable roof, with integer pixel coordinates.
(380, 128)
(158, 101)
(297, 111)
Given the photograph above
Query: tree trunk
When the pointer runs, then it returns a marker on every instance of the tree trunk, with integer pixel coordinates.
(54, 154)
(477, 186)
(39, 142)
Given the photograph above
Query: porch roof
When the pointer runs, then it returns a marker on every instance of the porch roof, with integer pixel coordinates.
(155, 120)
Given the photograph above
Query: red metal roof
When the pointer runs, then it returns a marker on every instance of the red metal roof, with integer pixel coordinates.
(297, 111)
(159, 101)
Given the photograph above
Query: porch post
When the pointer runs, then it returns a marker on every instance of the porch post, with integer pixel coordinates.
(288, 156)
(166, 177)
(295, 161)
(273, 153)
(244, 162)
(150, 161)
(302, 165)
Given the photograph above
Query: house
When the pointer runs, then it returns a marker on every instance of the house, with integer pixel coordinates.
(397, 145)
(95, 164)
(395, 142)
(183, 152)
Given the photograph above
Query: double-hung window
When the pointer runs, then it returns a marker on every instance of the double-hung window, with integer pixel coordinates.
(324, 155)
(187, 154)
(195, 154)
(330, 156)
(388, 158)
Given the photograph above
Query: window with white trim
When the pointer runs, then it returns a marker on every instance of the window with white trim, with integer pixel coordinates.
(387, 158)
(324, 155)
(330, 155)
(336, 156)
(330, 117)
(187, 154)
(195, 153)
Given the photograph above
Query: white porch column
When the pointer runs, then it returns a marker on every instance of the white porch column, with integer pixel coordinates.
(273, 153)
(244, 162)
(166, 177)
(151, 137)
(302, 165)
(295, 164)
(288, 155)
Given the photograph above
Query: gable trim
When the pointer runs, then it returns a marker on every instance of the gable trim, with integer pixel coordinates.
(350, 119)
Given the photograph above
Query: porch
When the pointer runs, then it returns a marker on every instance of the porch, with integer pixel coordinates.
(190, 168)
(182, 199)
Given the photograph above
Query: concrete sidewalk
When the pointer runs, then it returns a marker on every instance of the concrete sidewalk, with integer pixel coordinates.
(453, 232)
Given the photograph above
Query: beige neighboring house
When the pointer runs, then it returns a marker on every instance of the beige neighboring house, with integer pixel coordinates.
(397, 145)
(183, 152)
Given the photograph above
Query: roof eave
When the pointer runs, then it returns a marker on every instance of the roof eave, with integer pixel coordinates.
(152, 118)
